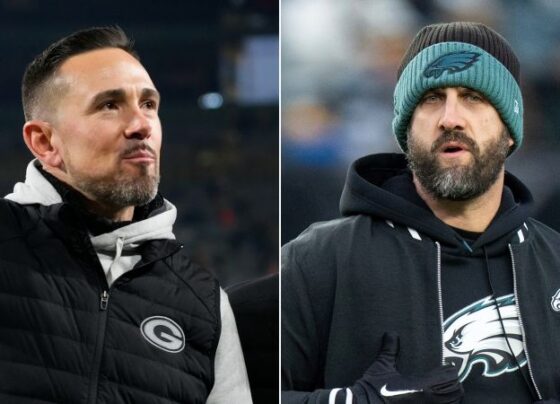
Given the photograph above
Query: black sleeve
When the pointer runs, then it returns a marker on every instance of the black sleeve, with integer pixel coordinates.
(302, 353)
(315, 397)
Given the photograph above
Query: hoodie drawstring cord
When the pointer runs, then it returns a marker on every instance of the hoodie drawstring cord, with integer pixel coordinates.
(118, 251)
(466, 245)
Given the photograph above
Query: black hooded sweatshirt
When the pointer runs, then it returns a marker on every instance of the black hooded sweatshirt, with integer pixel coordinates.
(390, 265)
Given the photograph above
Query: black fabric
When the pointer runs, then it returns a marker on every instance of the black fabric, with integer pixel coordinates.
(348, 281)
(57, 343)
(255, 305)
(468, 32)
(469, 236)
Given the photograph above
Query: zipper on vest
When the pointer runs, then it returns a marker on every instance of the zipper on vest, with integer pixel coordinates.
(521, 323)
(100, 341)
(104, 300)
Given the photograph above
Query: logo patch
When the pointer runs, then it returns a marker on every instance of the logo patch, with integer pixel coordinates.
(555, 302)
(385, 392)
(163, 333)
(451, 63)
(474, 335)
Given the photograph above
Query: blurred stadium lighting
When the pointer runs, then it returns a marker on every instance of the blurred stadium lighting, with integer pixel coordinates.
(211, 101)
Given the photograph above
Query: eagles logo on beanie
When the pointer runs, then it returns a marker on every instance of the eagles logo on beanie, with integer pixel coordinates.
(459, 54)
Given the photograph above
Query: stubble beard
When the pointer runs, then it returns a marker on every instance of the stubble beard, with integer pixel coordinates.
(121, 190)
(458, 182)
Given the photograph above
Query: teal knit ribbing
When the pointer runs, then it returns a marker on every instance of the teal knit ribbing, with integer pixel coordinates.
(458, 64)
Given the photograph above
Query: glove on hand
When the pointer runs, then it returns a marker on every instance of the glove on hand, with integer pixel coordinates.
(382, 383)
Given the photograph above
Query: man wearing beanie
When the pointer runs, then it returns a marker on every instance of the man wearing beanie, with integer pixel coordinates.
(435, 286)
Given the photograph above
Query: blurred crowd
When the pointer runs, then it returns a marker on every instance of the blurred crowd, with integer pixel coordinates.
(339, 65)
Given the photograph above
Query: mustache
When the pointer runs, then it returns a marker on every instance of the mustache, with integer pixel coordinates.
(139, 147)
(455, 136)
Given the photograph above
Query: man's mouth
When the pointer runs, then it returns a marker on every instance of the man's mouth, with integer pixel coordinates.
(453, 148)
(140, 155)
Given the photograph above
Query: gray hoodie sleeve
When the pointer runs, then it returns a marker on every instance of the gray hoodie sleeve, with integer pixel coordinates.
(231, 384)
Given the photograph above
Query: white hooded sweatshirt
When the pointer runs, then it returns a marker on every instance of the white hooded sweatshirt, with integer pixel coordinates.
(117, 253)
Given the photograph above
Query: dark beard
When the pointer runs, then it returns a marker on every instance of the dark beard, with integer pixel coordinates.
(461, 182)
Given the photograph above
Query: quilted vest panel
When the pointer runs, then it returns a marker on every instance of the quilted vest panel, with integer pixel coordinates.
(151, 338)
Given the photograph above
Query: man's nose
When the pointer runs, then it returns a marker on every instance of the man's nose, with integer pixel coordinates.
(451, 115)
(139, 125)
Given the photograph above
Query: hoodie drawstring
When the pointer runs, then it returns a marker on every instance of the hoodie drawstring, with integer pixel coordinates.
(466, 245)
(111, 274)
(118, 251)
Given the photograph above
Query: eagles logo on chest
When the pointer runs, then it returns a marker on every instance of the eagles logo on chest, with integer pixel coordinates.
(475, 334)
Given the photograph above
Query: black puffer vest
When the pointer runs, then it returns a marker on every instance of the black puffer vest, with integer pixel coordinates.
(66, 337)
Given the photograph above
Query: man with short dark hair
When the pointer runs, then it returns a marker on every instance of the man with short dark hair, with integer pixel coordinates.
(436, 286)
(99, 304)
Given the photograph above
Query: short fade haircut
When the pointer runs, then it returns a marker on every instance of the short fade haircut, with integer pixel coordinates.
(40, 72)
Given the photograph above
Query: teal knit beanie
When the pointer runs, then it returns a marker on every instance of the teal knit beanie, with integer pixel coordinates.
(459, 54)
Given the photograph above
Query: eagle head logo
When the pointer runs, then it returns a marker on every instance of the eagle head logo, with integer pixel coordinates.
(475, 335)
(451, 63)
(555, 302)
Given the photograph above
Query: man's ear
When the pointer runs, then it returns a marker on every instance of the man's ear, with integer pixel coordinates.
(38, 136)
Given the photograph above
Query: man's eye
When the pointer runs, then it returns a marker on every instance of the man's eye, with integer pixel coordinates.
(150, 104)
(473, 97)
(109, 105)
(431, 98)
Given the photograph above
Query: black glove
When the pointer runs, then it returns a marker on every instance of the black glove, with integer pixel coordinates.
(549, 401)
(382, 383)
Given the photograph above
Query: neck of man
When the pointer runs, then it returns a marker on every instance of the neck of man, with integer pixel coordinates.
(473, 214)
(110, 212)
